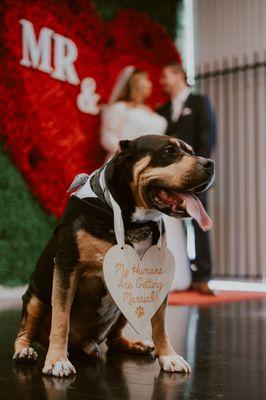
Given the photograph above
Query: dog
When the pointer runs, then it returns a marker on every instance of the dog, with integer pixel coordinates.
(67, 304)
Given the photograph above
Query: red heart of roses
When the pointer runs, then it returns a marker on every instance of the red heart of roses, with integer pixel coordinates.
(47, 137)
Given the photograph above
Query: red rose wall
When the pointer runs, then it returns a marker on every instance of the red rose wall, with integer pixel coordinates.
(43, 131)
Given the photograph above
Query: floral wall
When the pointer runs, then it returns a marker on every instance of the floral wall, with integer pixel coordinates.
(50, 111)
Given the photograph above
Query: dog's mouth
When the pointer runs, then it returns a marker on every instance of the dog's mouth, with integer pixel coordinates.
(179, 205)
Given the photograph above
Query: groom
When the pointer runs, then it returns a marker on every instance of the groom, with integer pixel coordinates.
(191, 119)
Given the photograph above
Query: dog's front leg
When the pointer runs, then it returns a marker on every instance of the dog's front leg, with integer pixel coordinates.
(169, 360)
(64, 286)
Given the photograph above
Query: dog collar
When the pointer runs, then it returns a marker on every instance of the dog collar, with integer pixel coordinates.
(94, 186)
(132, 235)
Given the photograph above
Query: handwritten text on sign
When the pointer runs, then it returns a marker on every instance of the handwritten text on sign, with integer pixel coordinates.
(138, 286)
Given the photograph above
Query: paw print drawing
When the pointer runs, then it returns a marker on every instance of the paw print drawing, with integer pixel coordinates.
(87, 100)
(139, 311)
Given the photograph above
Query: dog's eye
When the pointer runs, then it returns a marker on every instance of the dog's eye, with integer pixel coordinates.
(170, 149)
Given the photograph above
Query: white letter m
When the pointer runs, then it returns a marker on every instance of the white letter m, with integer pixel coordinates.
(36, 54)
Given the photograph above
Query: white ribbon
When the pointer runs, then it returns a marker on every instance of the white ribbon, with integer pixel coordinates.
(82, 182)
(118, 219)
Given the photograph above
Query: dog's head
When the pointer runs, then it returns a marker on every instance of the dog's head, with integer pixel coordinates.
(166, 175)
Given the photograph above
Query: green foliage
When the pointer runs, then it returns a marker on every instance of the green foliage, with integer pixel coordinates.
(24, 226)
(165, 12)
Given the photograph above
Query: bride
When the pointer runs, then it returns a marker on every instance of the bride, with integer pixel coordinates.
(127, 116)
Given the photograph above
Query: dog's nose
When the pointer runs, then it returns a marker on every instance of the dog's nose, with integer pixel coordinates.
(207, 163)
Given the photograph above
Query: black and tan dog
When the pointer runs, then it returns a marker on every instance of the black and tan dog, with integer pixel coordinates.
(67, 304)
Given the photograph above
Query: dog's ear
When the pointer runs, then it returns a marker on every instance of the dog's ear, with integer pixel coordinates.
(126, 145)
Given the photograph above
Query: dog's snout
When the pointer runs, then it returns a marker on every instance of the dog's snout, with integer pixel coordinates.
(206, 163)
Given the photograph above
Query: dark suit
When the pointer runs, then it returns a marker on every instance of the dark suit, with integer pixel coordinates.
(196, 126)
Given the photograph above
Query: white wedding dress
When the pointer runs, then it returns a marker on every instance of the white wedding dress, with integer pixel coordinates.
(119, 122)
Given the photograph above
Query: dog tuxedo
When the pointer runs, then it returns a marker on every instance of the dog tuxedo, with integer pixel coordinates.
(86, 208)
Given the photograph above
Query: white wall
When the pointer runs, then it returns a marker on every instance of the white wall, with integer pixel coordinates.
(230, 33)
(225, 29)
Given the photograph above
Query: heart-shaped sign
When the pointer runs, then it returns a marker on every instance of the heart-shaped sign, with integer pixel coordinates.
(49, 138)
(138, 286)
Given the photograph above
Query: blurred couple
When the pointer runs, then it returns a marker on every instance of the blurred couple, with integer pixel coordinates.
(185, 116)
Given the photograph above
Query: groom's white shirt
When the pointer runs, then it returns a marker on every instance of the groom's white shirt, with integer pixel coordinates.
(178, 103)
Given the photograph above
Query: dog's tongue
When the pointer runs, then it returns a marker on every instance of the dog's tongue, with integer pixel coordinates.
(196, 210)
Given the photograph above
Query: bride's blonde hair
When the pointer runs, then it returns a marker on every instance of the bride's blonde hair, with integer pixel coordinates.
(132, 90)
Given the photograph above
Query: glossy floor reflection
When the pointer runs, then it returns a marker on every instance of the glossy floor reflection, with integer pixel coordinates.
(225, 344)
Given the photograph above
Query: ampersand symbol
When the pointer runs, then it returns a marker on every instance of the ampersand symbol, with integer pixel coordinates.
(87, 99)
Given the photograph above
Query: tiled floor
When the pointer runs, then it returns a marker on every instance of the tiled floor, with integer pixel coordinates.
(225, 344)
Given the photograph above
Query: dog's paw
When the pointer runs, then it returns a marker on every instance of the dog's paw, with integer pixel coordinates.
(59, 368)
(26, 354)
(141, 347)
(174, 363)
(130, 346)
